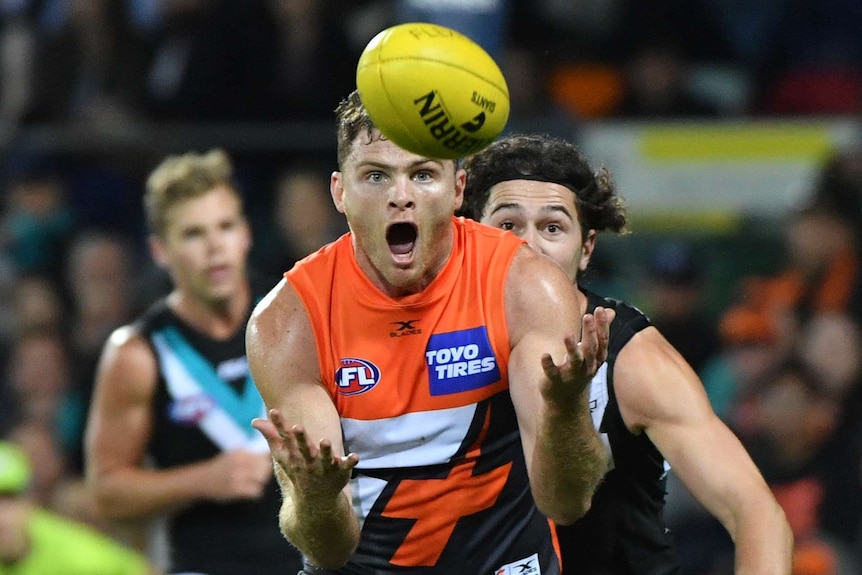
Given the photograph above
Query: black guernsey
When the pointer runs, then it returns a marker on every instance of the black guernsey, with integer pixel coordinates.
(623, 533)
(209, 537)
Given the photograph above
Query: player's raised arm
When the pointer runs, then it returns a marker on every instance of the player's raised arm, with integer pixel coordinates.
(659, 394)
(303, 431)
(550, 368)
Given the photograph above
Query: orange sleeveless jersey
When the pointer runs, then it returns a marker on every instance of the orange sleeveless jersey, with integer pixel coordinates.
(420, 383)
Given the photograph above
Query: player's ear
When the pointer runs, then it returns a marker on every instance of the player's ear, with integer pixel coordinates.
(460, 183)
(158, 250)
(587, 250)
(336, 190)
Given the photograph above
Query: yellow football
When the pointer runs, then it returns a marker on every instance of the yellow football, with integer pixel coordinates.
(432, 90)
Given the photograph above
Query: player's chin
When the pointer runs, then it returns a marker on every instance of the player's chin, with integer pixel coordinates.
(223, 291)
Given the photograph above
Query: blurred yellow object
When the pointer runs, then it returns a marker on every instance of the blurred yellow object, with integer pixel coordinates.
(14, 469)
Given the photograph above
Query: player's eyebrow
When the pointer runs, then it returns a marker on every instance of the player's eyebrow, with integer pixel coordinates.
(553, 208)
(507, 206)
(383, 165)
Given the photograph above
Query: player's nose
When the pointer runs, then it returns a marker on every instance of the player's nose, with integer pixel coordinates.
(531, 236)
(401, 194)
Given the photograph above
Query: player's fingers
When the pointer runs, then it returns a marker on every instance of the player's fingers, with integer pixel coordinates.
(305, 448)
(588, 346)
(589, 328)
(575, 351)
(604, 318)
(285, 432)
(552, 372)
(326, 459)
(277, 419)
(602, 333)
(349, 461)
(268, 430)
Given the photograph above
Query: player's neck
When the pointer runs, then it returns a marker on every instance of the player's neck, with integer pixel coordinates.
(219, 319)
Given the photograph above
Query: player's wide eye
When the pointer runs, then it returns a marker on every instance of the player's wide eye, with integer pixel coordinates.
(507, 226)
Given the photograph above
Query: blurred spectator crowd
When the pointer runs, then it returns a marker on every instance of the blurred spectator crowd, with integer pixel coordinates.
(223, 60)
(782, 363)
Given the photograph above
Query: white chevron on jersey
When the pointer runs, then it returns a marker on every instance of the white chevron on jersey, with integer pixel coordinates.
(215, 423)
(365, 491)
(409, 440)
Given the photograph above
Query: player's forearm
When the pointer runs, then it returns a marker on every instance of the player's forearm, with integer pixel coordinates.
(134, 493)
(327, 533)
(764, 542)
(568, 462)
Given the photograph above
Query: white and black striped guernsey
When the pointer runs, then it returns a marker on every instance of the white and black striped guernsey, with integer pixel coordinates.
(623, 533)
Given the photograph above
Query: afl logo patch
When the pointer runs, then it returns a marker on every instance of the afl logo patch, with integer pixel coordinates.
(356, 376)
(191, 409)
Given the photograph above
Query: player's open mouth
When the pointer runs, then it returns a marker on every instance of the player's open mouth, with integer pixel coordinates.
(401, 238)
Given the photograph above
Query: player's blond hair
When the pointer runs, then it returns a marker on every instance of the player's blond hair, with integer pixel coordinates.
(182, 177)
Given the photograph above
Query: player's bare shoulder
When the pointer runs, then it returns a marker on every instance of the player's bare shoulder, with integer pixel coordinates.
(533, 276)
(538, 290)
(128, 361)
(279, 330)
(125, 335)
(280, 311)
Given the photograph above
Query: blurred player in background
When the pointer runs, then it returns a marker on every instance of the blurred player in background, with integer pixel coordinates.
(173, 389)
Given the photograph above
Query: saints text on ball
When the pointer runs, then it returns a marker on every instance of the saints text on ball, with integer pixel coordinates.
(483, 102)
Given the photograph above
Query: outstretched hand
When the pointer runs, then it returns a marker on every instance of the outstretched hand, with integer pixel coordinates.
(315, 471)
(568, 379)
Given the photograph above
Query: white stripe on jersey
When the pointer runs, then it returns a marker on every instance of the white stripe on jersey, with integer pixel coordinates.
(365, 491)
(598, 406)
(215, 423)
(409, 440)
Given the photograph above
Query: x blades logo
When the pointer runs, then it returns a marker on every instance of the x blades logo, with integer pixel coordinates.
(405, 328)
(356, 376)
(526, 566)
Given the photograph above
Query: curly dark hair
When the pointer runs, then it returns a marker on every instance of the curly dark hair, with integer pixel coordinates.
(545, 158)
